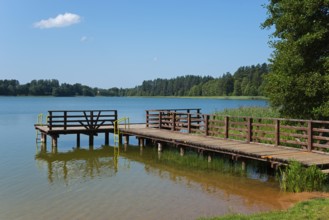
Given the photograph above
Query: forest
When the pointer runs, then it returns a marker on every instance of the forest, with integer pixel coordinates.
(246, 81)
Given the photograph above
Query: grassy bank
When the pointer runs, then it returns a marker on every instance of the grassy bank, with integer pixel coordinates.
(312, 209)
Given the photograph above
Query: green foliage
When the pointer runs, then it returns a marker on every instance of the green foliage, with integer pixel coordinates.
(246, 81)
(315, 209)
(296, 178)
(298, 82)
(256, 112)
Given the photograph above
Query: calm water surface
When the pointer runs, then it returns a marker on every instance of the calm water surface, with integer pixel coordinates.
(98, 185)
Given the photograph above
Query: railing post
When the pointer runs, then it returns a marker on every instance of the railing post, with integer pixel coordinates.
(249, 132)
(198, 115)
(147, 118)
(160, 120)
(189, 122)
(206, 124)
(309, 134)
(65, 120)
(115, 115)
(277, 132)
(50, 119)
(226, 124)
(173, 119)
(91, 120)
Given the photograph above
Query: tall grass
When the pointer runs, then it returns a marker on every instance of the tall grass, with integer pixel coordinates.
(256, 112)
(192, 160)
(296, 178)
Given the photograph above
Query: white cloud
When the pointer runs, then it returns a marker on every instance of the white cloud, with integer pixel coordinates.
(61, 20)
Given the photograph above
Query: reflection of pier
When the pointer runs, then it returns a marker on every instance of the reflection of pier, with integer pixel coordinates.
(80, 163)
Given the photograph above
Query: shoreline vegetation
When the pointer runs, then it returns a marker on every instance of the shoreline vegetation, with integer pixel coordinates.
(160, 97)
(246, 81)
(317, 208)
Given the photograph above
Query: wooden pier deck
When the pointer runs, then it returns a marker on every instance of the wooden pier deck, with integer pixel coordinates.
(237, 149)
(273, 140)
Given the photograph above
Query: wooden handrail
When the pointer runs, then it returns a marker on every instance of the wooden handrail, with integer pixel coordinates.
(90, 119)
(310, 135)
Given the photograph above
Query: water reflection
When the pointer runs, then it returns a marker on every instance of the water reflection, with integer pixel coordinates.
(79, 164)
(106, 162)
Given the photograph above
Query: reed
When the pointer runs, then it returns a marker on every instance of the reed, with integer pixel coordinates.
(256, 112)
(192, 160)
(296, 178)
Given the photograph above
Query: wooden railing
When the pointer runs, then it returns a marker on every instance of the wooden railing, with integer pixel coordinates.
(89, 119)
(310, 135)
(187, 120)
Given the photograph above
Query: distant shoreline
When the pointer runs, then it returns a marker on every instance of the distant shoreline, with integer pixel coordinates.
(179, 97)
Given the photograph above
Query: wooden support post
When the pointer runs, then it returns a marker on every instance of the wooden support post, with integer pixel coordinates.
(243, 165)
(91, 119)
(160, 145)
(209, 158)
(160, 120)
(50, 119)
(147, 118)
(43, 142)
(141, 150)
(141, 142)
(249, 131)
(119, 138)
(65, 120)
(226, 124)
(148, 142)
(54, 149)
(206, 124)
(173, 120)
(91, 140)
(78, 140)
(54, 141)
(277, 132)
(107, 138)
(126, 140)
(309, 136)
(189, 122)
(43, 139)
(181, 151)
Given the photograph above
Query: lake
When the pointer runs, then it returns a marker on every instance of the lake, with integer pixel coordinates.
(102, 184)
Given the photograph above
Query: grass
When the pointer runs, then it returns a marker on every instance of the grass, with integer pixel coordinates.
(256, 112)
(312, 209)
(197, 162)
(296, 178)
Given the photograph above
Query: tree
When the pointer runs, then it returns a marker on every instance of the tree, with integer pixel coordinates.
(298, 84)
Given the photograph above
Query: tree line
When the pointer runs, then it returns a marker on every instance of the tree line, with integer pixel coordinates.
(246, 81)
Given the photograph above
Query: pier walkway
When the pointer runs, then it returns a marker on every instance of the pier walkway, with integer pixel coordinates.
(273, 140)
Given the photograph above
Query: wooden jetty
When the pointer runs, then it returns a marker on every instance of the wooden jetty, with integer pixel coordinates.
(87, 122)
(274, 140)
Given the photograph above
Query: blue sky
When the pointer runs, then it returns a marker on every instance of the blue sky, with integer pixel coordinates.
(120, 43)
